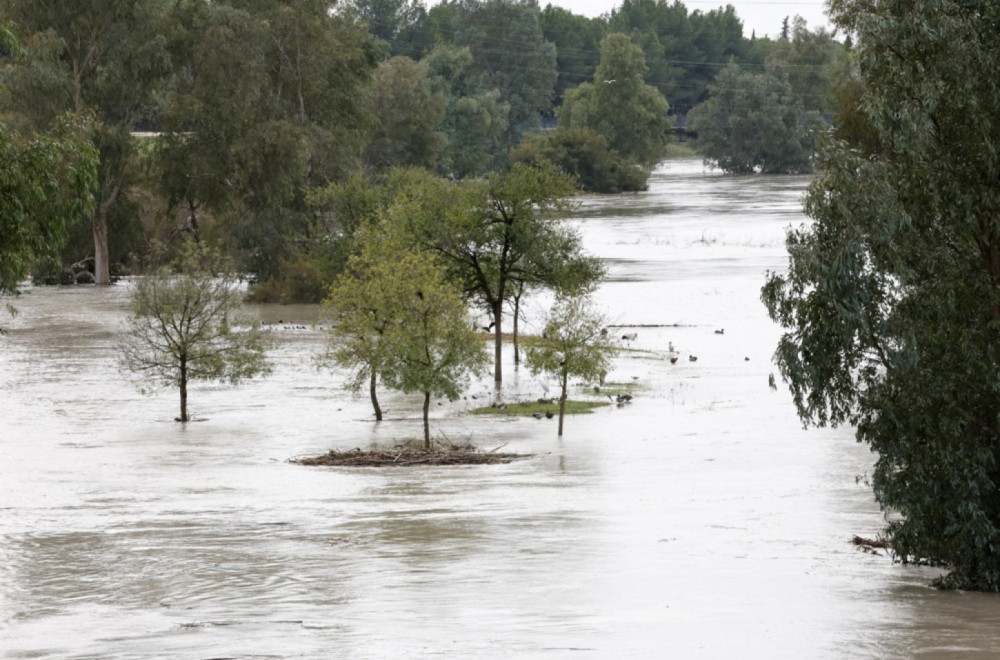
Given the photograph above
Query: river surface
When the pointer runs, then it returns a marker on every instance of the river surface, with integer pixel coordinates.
(700, 521)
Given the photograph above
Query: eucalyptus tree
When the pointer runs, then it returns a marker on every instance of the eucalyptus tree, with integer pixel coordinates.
(184, 325)
(107, 56)
(891, 304)
(753, 122)
(45, 183)
(575, 343)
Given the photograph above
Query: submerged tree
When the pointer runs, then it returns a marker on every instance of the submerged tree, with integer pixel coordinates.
(752, 122)
(185, 325)
(574, 343)
(431, 346)
(891, 305)
(495, 234)
(364, 303)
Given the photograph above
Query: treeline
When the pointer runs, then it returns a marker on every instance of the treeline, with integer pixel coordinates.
(263, 114)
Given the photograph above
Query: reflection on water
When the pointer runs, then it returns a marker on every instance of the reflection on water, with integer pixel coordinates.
(699, 521)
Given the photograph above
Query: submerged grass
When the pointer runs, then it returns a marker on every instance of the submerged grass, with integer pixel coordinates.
(529, 408)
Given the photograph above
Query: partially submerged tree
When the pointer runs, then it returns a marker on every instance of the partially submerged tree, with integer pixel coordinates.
(754, 123)
(574, 343)
(496, 233)
(619, 105)
(891, 304)
(431, 348)
(185, 325)
(364, 305)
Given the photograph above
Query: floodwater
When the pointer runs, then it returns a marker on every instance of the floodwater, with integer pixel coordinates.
(700, 521)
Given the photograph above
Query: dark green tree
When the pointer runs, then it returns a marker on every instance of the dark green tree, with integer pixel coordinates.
(754, 123)
(578, 46)
(891, 304)
(251, 129)
(814, 63)
(585, 154)
(475, 122)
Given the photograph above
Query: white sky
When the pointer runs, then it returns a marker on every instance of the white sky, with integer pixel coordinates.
(762, 16)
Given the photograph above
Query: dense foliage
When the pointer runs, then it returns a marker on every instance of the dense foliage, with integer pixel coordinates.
(891, 305)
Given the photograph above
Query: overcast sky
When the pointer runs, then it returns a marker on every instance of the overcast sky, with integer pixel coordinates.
(762, 16)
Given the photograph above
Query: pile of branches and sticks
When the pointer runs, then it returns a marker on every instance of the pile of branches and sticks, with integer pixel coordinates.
(399, 456)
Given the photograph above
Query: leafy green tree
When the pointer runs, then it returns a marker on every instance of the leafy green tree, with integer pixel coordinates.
(574, 343)
(365, 305)
(45, 183)
(407, 112)
(683, 49)
(578, 46)
(185, 325)
(891, 304)
(475, 122)
(429, 345)
(108, 56)
(619, 105)
(388, 19)
(753, 123)
(495, 233)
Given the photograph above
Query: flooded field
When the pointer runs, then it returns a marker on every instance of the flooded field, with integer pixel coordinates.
(699, 521)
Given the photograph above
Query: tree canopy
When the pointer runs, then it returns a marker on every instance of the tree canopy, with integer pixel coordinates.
(752, 122)
(891, 304)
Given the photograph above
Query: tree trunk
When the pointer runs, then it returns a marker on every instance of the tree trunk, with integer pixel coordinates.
(498, 342)
(562, 402)
(371, 391)
(427, 424)
(517, 315)
(184, 392)
(102, 271)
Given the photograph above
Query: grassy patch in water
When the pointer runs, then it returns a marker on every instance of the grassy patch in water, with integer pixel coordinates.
(529, 408)
(613, 389)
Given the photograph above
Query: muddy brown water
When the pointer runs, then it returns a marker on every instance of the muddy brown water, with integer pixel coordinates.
(700, 520)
